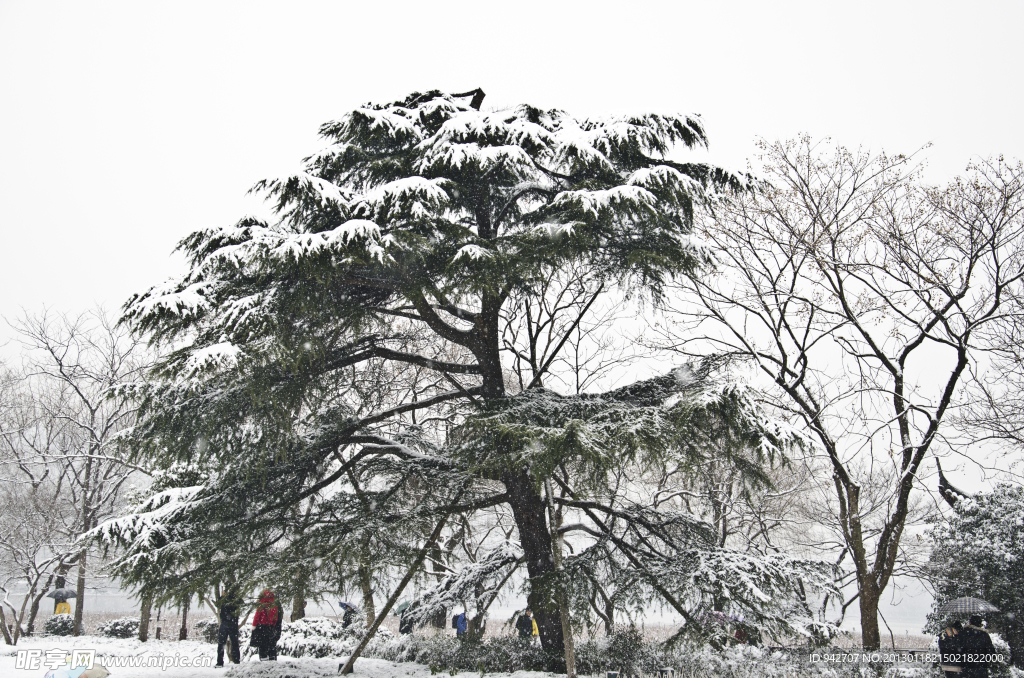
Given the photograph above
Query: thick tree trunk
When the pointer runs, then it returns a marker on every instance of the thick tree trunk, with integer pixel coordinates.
(144, 615)
(183, 632)
(527, 505)
(529, 512)
(298, 606)
(870, 637)
(80, 595)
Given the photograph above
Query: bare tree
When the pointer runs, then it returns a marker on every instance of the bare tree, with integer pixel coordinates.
(37, 525)
(560, 333)
(71, 413)
(861, 296)
(33, 547)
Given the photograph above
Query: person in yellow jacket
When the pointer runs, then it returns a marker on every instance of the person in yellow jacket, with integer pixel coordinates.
(63, 607)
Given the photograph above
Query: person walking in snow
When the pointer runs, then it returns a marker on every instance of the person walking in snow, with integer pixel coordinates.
(266, 626)
(228, 629)
(976, 648)
(460, 623)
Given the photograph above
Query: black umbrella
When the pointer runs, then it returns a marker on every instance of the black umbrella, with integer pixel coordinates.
(967, 605)
(61, 595)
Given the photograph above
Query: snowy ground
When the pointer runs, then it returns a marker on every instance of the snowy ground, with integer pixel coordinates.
(157, 652)
(370, 668)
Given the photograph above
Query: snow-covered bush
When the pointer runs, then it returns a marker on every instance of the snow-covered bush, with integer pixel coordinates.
(444, 653)
(207, 629)
(315, 637)
(323, 637)
(125, 627)
(625, 650)
(60, 625)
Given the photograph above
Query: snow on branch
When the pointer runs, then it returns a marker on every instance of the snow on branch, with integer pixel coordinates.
(476, 582)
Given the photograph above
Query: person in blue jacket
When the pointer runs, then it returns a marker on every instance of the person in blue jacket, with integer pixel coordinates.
(461, 624)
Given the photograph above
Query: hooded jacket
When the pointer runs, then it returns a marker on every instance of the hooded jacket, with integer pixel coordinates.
(266, 611)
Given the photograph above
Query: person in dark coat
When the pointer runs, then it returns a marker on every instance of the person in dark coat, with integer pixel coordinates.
(347, 615)
(975, 647)
(524, 625)
(949, 650)
(267, 626)
(228, 629)
(405, 625)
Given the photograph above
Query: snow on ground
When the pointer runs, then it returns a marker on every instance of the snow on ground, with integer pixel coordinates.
(364, 668)
(148, 659)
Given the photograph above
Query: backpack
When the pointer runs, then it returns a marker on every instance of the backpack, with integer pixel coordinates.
(455, 622)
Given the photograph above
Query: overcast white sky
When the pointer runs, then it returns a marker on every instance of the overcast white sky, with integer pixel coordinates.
(126, 125)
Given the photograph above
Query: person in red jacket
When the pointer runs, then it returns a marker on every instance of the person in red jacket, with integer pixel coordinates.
(266, 626)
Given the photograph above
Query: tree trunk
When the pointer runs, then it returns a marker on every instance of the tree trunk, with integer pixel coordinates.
(366, 585)
(563, 601)
(3, 627)
(475, 624)
(183, 633)
(1014, 633)
(86, 519)
(20, 618)
(527, 505)
(60, 583)
(144, 615)
(609, 613)
(80, 595)
(34, 612)
(870, 637)
(437, 568)
(298, 606)
(529, 512)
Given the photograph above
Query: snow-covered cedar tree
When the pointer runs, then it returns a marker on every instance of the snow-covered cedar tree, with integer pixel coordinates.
(320, 361)
(979, 552)
(150, 541)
